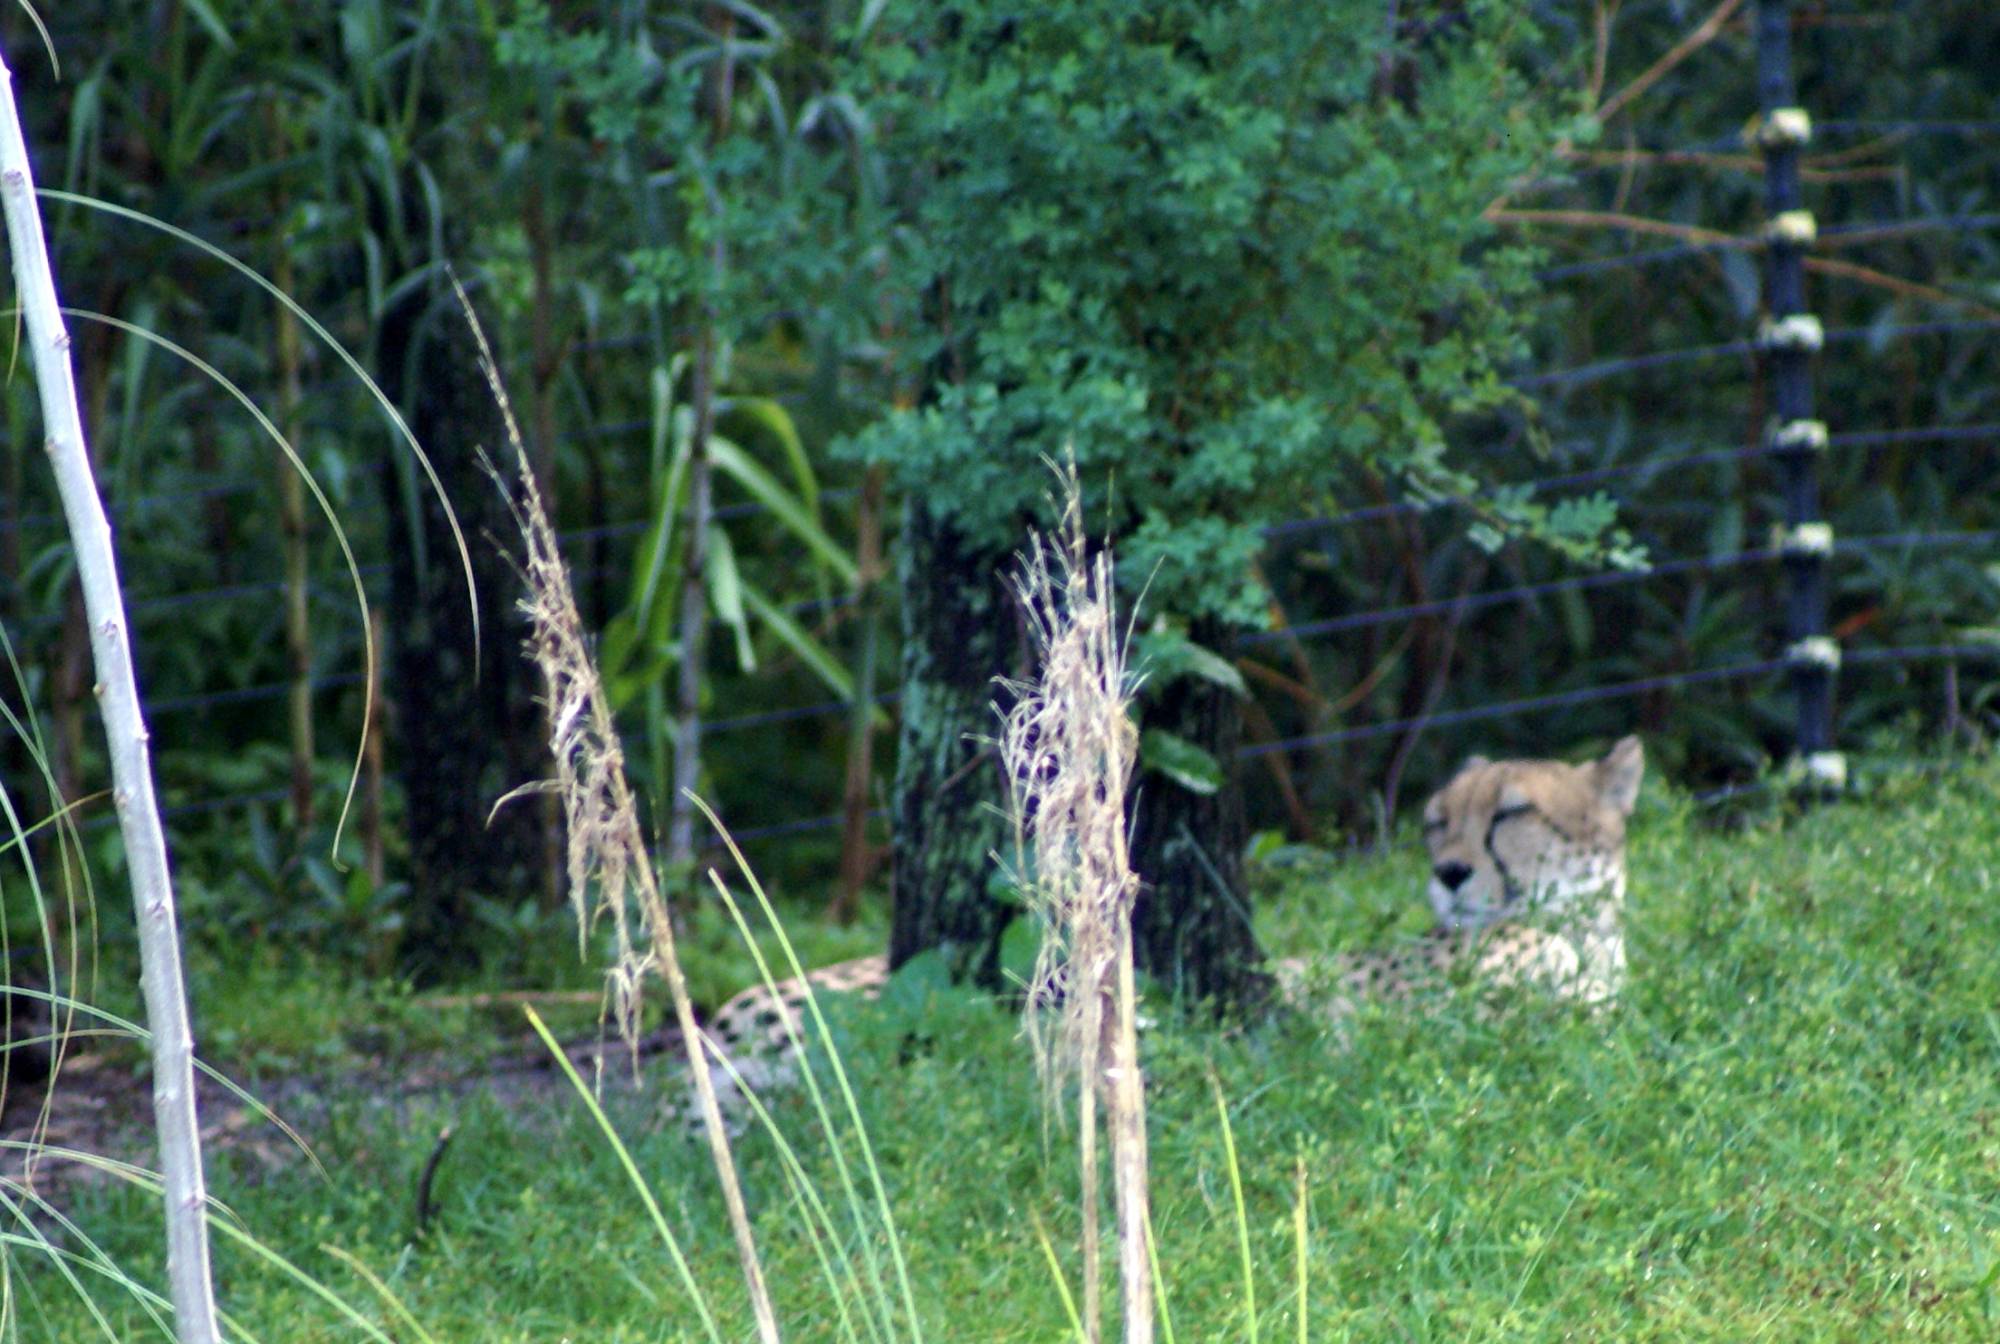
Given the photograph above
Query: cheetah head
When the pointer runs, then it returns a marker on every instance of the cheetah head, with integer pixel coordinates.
(1530, 839)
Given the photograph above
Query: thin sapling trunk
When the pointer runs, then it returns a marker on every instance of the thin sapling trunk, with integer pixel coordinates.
(694, 586)
(160, 977)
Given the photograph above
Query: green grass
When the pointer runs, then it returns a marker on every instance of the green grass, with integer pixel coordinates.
(1789, 1129)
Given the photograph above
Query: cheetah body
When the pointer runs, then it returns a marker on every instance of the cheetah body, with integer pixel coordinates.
(1527, 880)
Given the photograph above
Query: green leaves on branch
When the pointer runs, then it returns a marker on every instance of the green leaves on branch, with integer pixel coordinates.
(1219, 253)
(1164, 655)
(1179, 760)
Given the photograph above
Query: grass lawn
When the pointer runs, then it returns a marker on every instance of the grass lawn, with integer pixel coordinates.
(1789, 1129)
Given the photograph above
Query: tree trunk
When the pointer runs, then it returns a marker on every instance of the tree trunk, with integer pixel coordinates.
(856, 858)
(468, 728)
(292, 536)
(950, 794)
(1191, 924)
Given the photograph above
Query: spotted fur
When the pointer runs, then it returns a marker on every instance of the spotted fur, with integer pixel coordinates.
(1527, 881)
(756, 1029)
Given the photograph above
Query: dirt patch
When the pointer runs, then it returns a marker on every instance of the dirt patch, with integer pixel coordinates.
(101, 1104)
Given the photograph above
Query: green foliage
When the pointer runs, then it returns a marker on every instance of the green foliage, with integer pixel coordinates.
(1210, 252)
(1179, 760)
(750, 181)
(1238, 258)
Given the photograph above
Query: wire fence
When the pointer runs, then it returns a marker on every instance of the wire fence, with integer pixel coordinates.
(166, 708)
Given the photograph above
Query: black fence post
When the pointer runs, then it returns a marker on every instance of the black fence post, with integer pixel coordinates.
(1791, 335)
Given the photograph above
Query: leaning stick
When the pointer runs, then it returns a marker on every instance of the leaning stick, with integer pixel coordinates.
(125, 733)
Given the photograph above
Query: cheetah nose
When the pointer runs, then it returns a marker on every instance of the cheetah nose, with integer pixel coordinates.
(1453, 874)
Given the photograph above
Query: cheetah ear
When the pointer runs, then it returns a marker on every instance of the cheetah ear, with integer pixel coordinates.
(1474, 763)
(1618, 774)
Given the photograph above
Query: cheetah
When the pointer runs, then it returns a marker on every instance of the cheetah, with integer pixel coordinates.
(1526, 879)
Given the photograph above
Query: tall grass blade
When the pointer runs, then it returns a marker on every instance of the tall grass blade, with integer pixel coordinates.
(1166, 1315)
(1242, 1214)
(35, 1239)
(341, 1306)
(814, 1216)
(825, 1033)
(1299, 1238)
(1062, 1283)
(383, 1291)
(631, 1168)
(878, 1294)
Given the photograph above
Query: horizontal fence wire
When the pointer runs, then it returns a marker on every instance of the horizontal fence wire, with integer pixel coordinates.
(336, 584)
(1618, 691)
(1595, 372)
(1734, 142)
(1531, 705)
(1470, 602)
(1842, 234)
(1583, 375)
(1892, 656)
(1301, 632)
(823, 709)
(114, 508)
(1588, 476)
(243, 695)
(1865, 126)
(750, 835)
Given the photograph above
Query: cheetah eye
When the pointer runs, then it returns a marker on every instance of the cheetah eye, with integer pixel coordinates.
(1509, 813)
(1432, 825)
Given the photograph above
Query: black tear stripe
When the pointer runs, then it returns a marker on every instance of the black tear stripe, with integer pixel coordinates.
(1510, 886)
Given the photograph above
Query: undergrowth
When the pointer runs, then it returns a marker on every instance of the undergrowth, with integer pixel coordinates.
(1788, 1129)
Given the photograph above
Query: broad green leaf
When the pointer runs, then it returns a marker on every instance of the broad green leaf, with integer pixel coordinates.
(657, 545)
(771, 416)
(1179, 760)
(725, 594)
(810, 651)
(615, 645)
(1020, 945)
(665, 418)
(628, 664)
(786, 507)
(1167, 655)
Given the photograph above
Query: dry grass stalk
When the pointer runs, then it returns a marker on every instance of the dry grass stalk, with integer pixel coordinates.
(610, 872)
(1069, 747)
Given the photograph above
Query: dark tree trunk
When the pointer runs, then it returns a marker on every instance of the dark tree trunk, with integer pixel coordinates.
(950, 792)
(1192, 921)
(1191, 926)
(468, 729)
